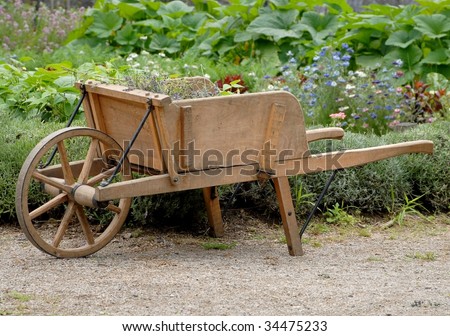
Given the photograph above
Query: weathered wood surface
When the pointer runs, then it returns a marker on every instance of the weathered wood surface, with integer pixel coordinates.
(206, 142)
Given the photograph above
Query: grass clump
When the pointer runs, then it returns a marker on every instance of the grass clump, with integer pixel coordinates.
(213, 245)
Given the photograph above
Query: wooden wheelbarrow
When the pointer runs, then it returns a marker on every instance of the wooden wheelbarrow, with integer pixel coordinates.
(141, 143)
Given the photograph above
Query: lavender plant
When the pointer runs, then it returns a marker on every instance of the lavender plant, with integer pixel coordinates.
(365, 100)
(24, 28)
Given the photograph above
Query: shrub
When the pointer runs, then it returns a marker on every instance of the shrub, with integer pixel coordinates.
(375, 188)
(24, 28)
(18, 138)
(382, 186)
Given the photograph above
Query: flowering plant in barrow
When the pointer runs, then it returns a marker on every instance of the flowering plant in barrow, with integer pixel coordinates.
(332, 94)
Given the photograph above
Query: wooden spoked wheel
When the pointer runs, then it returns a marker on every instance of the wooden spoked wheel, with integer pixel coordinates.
(49, 213)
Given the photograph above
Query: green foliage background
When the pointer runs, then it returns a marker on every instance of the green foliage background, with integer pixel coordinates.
(244, 31)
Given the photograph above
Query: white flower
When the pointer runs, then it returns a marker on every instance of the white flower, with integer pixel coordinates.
(360, 74)
(143, 37)
(349, 87)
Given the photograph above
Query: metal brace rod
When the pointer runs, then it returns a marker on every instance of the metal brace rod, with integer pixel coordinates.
(318, 201)
(69, 123)
(127, 150)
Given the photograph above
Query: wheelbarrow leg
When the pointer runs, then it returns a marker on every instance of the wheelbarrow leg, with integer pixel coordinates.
(212, 203)
(287, 211)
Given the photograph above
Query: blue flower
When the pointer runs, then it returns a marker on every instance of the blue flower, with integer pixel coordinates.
(267, 77)
(346, 58)
(323, 51)
(373, 115)
(345, 45)
(293, 61)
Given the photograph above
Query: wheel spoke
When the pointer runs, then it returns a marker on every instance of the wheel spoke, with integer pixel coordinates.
(64, 224)
(67, 170)
(100, 177)
(51, 181)
(88, 162)
(85, 225)
(55, 201)
(113, 208)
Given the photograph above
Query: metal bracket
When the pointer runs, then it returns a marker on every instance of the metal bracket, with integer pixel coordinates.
(318, 201)
(69, 123)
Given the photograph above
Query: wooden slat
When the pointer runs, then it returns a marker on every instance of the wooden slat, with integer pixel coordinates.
(185, 157)
(315, 163)
(167, 146)
(324, 133)
(274, 125)
(123, 92)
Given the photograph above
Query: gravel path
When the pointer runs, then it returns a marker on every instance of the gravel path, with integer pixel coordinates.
(402, 271)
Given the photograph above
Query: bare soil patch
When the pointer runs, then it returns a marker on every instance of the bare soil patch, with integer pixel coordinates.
(357, 270)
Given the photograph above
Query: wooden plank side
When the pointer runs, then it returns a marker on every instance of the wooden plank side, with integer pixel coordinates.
(231, 130)
(120, 119)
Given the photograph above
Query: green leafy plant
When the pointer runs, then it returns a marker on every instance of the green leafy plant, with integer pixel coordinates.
(338, 215)
(410, 208)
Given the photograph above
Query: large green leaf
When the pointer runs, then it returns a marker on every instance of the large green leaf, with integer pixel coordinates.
(410, 56)
(127, 35)
(105, 24)
(338, 6)
(434, 26)
(403, 38)
(371, 21)
(369, 61)
(289, 4)
(156, 25)
(277, 25)
(318, 25)
(163, 43)
(194, 21)
(131, 11)
(175, 9)
(438, 56)
(434, 6)
(437, 81)
(245, 36)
